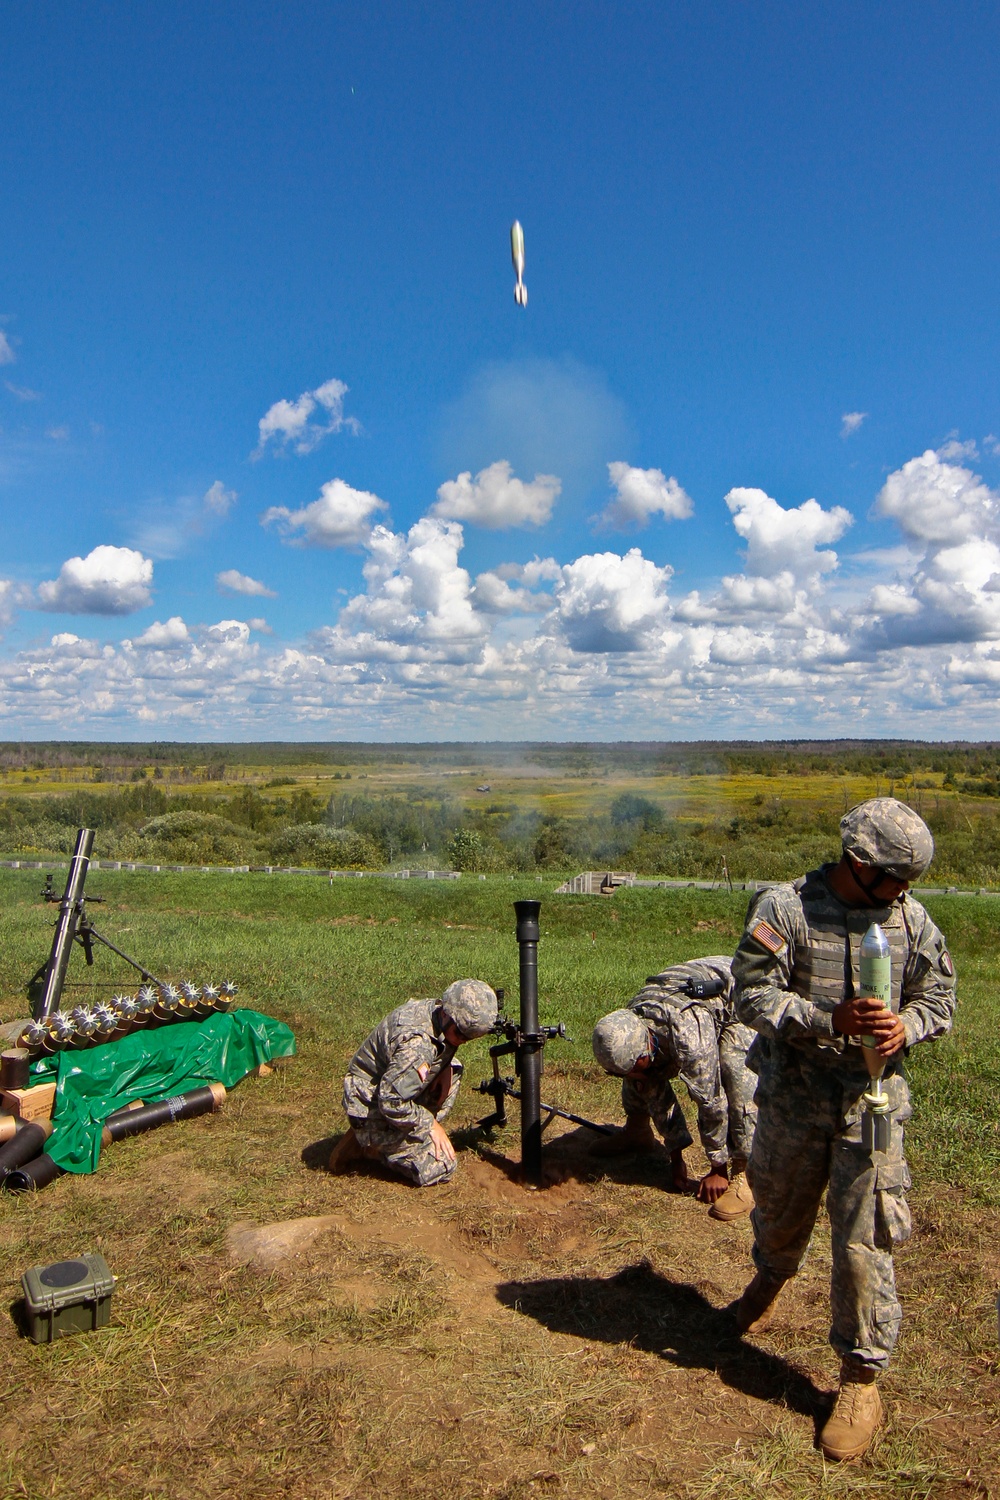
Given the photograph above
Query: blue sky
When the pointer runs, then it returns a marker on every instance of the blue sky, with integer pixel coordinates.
(762, 251)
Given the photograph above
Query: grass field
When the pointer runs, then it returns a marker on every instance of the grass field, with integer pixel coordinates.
(763, 812)
(475, 1339)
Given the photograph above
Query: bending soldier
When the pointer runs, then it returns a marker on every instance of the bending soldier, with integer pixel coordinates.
(796, 972)
(682, 1025)
(403, 1081)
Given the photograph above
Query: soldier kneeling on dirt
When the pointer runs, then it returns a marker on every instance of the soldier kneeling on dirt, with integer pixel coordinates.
(682, 1025)
(403, 1080)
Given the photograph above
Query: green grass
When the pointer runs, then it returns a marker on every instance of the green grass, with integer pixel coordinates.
(383, 1364)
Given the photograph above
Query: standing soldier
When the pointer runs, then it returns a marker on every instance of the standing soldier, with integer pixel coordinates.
(403, 1080)
(797, 984)
(682, 1025)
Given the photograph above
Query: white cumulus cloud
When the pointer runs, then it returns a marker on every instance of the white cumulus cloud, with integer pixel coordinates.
(418, 606)
(108, 581)
(289, 424)
(780, 540)
(8, 598)
(341, 517)
(952, 593)
(934, 501)
(7, 355)
(851, 421)
(231, 581)
(609, 603)
(642, 493)
(497, 499)
(592, 647)
(167, 636)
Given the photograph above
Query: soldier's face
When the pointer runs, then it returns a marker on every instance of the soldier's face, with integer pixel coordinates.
(880, 891)
(889, 889)
(642, 1065)
(452, 1035)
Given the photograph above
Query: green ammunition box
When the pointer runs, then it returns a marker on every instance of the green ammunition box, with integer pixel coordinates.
(71, 1296)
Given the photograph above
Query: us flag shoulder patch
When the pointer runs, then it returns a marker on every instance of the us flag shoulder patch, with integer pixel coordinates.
(768, 937)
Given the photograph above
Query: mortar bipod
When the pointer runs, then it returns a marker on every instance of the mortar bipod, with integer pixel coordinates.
(526, 1040)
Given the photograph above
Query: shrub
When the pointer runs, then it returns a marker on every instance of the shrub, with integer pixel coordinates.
(317, 845)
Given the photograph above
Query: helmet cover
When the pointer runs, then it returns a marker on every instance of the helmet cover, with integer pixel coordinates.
(620, 1039)
(471, 1006)
(889, 835)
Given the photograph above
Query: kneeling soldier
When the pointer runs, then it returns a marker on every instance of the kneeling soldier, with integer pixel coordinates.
(682, 1025)
(404, 1079)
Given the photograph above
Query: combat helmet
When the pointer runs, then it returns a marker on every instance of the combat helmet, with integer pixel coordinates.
(889, 835)
(620, 1039)
(471, 1006)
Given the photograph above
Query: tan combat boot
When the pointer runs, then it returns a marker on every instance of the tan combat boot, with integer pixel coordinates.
(753, 1311)
(857, 1414)
(637, 1136)
(346, 1152)
(736, 1201)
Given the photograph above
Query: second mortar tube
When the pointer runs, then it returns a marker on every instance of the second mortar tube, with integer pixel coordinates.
(531, 1043)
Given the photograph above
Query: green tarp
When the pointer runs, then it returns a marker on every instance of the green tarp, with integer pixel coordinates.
(151, 1065)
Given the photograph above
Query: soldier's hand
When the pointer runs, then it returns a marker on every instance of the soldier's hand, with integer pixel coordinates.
(866, 1016)
(679, 1179)
(440, 1144)
(712, 1186)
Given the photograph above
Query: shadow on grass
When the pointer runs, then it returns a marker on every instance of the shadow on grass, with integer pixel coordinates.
(674, 1320)
(316, 1156)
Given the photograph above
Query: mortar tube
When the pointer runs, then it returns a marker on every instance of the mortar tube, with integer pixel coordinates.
(28, 1141)
(62, 941)
(200, 1101)
(35, 1174)
(531, 1045)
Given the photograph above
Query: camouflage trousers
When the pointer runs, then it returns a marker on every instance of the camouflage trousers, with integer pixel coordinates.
(808, 1139)
(410, 1153)
(655, 1097)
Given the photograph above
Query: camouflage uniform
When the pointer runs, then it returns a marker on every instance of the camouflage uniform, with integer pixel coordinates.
(393, 1089)
(796, 961)
(703, 1043)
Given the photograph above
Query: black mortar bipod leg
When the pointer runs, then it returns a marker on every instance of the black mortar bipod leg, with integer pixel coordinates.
(532, 1042)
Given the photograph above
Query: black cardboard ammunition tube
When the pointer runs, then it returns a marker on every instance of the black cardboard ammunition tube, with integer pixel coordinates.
(27, 1143)
(15, 1065)
(126, 1109)
(33, 1175)
(133, 1122)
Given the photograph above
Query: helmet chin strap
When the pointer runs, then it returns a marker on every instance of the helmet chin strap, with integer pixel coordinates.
(868, 886)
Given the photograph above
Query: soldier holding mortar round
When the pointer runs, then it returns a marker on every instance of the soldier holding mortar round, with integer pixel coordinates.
(803, 976)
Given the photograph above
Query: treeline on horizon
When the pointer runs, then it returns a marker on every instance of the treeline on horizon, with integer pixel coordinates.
(892, 758)
(758, 835)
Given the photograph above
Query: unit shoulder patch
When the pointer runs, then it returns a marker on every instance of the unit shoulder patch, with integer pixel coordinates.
(768, 938)
(947, 967)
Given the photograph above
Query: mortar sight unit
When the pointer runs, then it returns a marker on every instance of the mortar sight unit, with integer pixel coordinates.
(525, 1040)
